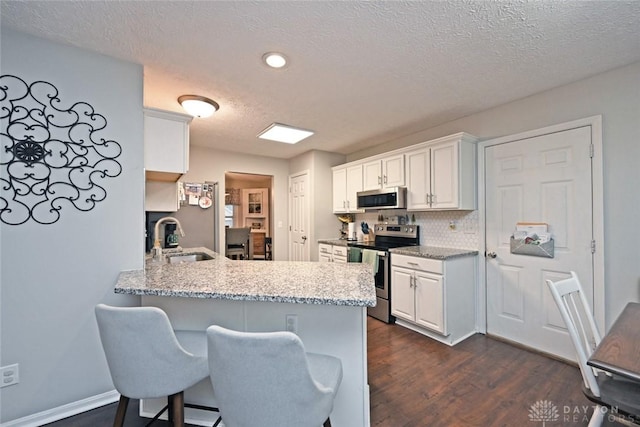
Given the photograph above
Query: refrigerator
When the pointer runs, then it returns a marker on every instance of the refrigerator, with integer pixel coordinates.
(198, 215)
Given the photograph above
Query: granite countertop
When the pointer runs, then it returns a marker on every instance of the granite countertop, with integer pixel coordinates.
(434, 252)
(336, 242)
(274, 281)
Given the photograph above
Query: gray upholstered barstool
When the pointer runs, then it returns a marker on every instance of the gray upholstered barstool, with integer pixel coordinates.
(146, 360)
(267, 379)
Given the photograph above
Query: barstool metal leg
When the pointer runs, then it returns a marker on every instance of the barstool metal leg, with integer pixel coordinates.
(176, 409)
(123, 403)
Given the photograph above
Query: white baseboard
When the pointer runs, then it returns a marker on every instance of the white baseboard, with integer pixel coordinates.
(64, 411)
(448, 340)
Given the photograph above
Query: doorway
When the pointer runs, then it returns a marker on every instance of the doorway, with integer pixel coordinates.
(248, 202)
(299, 217)
(552, 176)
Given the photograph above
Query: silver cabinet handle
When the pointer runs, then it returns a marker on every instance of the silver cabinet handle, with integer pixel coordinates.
(379, 180)
(385, 179)
(491, 255)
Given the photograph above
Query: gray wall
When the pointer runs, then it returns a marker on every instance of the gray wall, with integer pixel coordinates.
(616, 96)
(206, 164)
(52, 276)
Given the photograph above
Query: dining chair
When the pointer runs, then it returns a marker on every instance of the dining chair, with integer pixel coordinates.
(146, 361)
(267, 379)
(611, 394)
(237, 242)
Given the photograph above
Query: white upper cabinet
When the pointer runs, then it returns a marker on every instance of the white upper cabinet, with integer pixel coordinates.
(347, 181)
(166, 144)
(418, 179)
(441, 175)
(383, 173)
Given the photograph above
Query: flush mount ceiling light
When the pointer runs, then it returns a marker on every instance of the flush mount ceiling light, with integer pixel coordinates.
(198, 106)
(274, 59)
(284, 133)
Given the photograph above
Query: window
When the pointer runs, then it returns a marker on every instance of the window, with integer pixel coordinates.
(228, 215)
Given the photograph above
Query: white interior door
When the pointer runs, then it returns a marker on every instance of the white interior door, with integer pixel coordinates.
(299, 217)
(546, 179)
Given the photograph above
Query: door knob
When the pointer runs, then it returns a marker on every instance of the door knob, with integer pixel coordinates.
(491, 254)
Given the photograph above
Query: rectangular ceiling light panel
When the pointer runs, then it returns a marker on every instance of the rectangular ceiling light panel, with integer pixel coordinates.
(283, 133)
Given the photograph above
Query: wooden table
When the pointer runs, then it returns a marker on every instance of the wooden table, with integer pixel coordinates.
(619, 350)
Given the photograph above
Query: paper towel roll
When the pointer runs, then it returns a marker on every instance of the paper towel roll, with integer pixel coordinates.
(351, 231)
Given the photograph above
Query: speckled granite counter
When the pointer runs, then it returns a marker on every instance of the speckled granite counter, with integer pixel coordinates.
(433, 252)
(326, 303)
(273, 281)
(336, 242)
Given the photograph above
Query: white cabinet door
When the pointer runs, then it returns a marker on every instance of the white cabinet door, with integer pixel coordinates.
(353, 185)
(402, 293)
(346, 184)
(161, 196)
(339, 190)
(418, 179)
(324, 258)
(429, 299)
(393, 171)
(372, 175)
(387, 172)
(166, 141)
(444, 176)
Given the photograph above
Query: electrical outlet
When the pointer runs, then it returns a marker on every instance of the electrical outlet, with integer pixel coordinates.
(292, 323)
(9, 375)
(469, 228)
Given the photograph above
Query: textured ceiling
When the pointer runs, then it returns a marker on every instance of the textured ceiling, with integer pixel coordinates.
(360, 73)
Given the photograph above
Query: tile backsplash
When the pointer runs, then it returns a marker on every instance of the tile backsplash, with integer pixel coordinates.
(453, 229)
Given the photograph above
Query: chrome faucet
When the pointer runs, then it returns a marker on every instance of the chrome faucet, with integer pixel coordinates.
(156, 251)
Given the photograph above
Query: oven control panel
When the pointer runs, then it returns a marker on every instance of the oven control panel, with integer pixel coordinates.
(410, 231)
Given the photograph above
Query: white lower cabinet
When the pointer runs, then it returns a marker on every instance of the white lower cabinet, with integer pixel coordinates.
(332, 253)
(324, 252)
(434, 297)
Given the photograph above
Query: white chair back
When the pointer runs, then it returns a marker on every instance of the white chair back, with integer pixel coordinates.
(264, 379)
(576, 313)
(144, 357)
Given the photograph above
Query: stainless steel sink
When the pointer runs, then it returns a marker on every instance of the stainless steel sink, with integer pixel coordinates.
(188, 257)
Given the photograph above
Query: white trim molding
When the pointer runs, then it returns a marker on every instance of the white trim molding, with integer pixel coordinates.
(65, 411)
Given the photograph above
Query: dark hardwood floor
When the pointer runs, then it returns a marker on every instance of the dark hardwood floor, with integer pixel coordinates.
(416, 381)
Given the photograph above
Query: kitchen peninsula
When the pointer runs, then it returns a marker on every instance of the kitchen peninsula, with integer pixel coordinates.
(325, 303)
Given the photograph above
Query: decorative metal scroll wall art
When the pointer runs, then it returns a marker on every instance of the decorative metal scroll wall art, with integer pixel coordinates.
(51, 156)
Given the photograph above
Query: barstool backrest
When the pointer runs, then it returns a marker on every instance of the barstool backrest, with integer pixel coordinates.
(144, 356)
(264, 378)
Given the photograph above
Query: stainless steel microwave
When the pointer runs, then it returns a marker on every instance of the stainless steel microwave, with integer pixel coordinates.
(385, 198)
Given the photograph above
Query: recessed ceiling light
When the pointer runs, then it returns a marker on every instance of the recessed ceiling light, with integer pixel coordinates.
(284, 133)
(274, 59)
(198, 106)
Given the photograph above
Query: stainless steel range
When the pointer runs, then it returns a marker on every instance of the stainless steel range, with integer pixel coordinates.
(387, 236)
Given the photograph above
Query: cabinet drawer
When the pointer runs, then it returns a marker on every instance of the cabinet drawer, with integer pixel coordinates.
(340, 251)
(340, 259)
(418, 263)
(323, 248)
